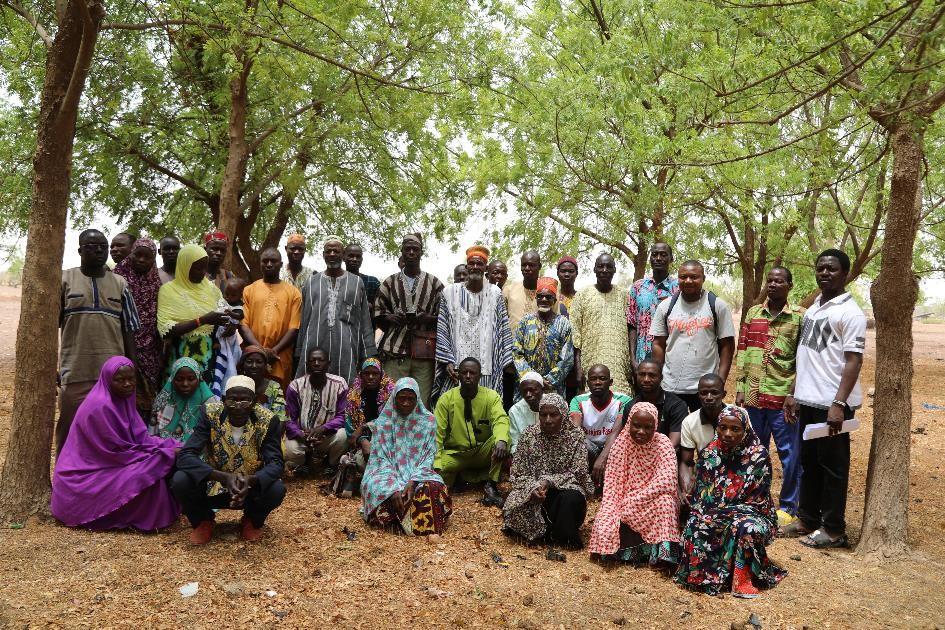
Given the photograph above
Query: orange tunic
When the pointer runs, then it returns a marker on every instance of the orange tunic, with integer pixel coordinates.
(271, 311)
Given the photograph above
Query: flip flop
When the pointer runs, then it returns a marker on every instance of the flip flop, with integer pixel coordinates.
(794, 529)
(820, 540)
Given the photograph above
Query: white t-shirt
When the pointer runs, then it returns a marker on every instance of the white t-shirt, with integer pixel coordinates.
(694, 434)
(692, 349)
(828, 331)
(598, 423)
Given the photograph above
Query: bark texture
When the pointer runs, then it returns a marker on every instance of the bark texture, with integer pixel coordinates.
(24, 481)
(894, 294)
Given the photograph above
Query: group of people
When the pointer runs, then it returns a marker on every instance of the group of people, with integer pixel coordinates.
(185, 390)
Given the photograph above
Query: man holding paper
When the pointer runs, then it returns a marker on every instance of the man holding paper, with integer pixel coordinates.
(827, 389)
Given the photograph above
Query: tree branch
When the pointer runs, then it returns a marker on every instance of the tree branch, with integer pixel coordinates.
(26, 15)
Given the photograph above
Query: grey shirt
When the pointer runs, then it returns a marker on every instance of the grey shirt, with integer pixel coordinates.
(691, 340)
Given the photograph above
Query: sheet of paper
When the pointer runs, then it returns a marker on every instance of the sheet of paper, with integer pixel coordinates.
(820, 429)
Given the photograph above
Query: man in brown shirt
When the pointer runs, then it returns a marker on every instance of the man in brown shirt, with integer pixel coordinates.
(98, 319)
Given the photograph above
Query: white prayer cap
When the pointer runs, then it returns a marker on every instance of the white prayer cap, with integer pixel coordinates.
(240, 381)
(533, 376)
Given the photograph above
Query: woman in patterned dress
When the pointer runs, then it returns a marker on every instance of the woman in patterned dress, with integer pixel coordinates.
(638, 517)
(733, 517)
(550, 479)
(400, 490)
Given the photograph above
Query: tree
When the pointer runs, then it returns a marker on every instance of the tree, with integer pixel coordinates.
(333, 117)
(24, 481)
(883, 60)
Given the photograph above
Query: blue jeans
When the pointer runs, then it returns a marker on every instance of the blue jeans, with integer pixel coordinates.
(787, 438)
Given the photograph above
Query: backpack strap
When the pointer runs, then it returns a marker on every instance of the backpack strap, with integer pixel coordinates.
(672, 304)
(715, 320)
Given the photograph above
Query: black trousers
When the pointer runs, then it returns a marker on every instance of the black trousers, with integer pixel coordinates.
(198, 507)
(564, 512)
(509, 387)
(825, 475)
(692, 401)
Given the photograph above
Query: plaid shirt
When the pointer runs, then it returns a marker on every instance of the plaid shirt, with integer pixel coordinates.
(767, 355)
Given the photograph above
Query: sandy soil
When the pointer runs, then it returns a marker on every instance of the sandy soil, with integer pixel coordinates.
(307, 572)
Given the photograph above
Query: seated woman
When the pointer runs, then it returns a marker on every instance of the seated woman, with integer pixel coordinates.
(366, 397)
(550, 479)
(400, 490)
(733, 517)
(178, 405)
(638, 517)
(111, 474)
(232, 460)
(254, 364)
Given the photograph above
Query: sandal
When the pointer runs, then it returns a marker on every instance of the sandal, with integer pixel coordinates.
(794, 529)
(820, 540)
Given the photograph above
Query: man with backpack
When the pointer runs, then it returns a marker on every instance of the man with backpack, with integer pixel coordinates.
(693, 334)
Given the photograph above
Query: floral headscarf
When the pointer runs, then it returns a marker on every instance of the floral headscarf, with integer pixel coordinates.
(354, 405)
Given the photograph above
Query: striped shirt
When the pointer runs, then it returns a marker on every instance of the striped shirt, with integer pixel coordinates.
(767, 355)
(94, 314)
(396, 296)
(336, 318)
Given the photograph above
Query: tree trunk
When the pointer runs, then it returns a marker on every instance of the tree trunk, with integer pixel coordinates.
(894, 294)
(237, 155)
(24, 483)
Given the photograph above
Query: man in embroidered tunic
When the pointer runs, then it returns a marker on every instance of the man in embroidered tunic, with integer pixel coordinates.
(232, 460)
(336, 316)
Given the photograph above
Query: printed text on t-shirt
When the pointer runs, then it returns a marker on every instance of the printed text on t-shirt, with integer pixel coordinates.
(690, 326)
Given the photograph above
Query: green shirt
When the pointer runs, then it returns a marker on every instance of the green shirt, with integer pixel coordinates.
(454, 433)
(767, 355)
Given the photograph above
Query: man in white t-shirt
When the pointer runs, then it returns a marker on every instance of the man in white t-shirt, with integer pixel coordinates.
(596, 411)
(827, 389)
(698, 428)
(693, 334)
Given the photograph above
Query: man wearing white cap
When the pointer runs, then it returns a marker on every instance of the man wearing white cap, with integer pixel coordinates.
(336, 316)
(241, 467)
(524, 413)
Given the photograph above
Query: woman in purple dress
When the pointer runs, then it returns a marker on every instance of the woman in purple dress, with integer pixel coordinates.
(110, 473)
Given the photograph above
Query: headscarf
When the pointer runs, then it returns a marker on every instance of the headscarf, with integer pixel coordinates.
(558, 401)
(402, 450)
(174, 415)
(649, 409)
(478, 250)
(559, 459)
(144, 289)
(248, 350)
(354, 405)
(640, 490)
(215, 236)
(734, 482)
(548, 284)
(567, 259)
(109, 458)
(295, 239)
(748, 439)
(413, 237)
(181, 300)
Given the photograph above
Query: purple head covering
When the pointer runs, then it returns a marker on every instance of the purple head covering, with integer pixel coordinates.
(110, 473)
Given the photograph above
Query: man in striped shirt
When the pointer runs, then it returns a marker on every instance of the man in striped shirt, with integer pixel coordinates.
(98, 319)
(406, 309)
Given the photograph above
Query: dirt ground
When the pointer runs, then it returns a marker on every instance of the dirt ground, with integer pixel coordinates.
(307, 572)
